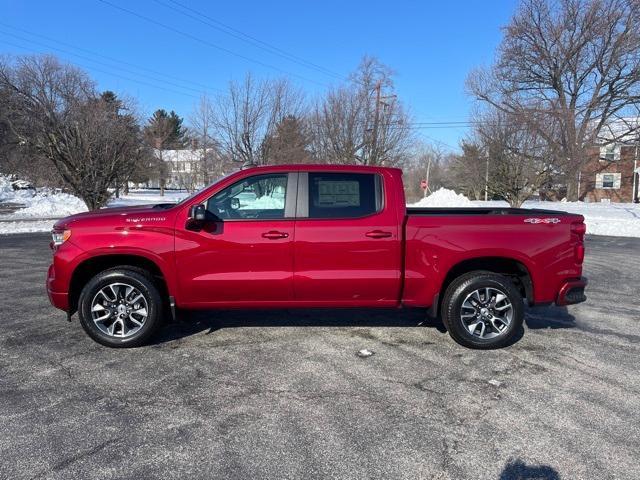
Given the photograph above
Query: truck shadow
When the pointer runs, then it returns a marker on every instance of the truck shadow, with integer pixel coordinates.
(549, 317)
(518, 470)
(210, 321)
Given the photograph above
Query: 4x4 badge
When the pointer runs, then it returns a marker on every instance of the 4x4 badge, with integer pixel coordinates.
(542, 220)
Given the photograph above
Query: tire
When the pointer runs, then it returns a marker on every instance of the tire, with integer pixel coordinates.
(120, 307)
(475, 313)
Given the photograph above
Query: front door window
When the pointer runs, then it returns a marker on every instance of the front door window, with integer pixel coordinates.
(254, 198)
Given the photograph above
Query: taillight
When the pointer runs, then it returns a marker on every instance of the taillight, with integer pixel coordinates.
(579, 228)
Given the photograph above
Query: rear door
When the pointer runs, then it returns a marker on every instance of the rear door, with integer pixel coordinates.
(347, 249)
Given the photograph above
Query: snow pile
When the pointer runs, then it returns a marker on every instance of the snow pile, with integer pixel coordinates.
(5, 188)
(55, 205)
(444, 197)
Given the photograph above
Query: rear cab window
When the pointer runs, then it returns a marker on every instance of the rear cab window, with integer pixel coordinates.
(343, 195)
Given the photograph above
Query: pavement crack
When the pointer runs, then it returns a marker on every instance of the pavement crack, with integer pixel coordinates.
(66, 462)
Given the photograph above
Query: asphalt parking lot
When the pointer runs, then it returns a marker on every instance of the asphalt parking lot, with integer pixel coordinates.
(282, 394)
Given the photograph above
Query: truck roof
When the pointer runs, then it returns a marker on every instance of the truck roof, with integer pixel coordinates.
(314, 167)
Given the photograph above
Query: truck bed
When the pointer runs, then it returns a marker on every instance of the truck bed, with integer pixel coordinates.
(481, 211)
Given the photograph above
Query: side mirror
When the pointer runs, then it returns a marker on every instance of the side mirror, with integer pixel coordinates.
(197, 213)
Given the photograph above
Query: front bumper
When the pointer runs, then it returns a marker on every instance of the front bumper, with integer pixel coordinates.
(572, 291)
(58, 299)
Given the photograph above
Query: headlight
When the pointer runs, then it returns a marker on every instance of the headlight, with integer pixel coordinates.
(60, 236)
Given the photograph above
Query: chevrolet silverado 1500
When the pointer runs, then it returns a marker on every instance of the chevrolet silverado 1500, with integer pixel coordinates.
(313, 236)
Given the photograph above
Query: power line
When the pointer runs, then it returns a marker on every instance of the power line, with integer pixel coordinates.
(409, 125)
(206, 42)
(100, 63)
(109, 58)
(234, 32)
(142, 82)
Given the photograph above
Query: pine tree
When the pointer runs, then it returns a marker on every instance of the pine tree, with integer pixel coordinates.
(164, 131)
(289, 143)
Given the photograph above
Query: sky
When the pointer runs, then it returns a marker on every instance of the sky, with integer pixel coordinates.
(149, 50)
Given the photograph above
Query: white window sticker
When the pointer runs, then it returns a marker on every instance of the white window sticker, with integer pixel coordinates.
(339, 193)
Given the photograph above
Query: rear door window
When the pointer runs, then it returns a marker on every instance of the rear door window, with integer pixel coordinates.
(344, 195)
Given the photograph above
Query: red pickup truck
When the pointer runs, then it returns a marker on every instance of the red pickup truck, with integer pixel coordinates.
(313, 236)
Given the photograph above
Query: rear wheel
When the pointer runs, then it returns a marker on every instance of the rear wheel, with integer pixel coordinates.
(482, 310)
(120, 307)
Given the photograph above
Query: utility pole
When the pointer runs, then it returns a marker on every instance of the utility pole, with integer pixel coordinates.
(427, 177)
(636, 173)
(380, 103)
(374, 131)
(486, 181)
(161, 179)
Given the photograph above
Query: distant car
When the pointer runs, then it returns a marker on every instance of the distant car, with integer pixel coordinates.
(22, 185)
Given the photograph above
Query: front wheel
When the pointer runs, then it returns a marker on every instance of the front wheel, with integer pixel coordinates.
(120, 307)
(482, 310)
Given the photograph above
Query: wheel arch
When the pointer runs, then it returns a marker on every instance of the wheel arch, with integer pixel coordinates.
(90, 267)
(510, 267)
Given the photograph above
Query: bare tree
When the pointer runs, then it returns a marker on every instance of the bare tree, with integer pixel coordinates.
(566, 68)
(363, 122)
(55, 110)
(248, 114)
(212, 163)
(518, 161)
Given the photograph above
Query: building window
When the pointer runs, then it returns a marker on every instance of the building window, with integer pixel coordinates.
(608, 181)
(610, 152)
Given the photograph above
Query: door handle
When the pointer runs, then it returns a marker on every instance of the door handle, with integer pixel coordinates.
(378, 234)
(274, 235)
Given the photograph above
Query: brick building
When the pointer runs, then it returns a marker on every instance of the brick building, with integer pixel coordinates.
(613, 170)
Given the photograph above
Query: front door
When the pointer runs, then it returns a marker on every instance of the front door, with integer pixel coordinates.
(347, 247)
(243, 253)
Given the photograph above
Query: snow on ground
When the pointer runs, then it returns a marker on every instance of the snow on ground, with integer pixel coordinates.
(37, 211)
(616, 219)
(17, 226)
(143, 197)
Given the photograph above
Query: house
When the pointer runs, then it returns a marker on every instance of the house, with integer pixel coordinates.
(612, 172)
(184, 168)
